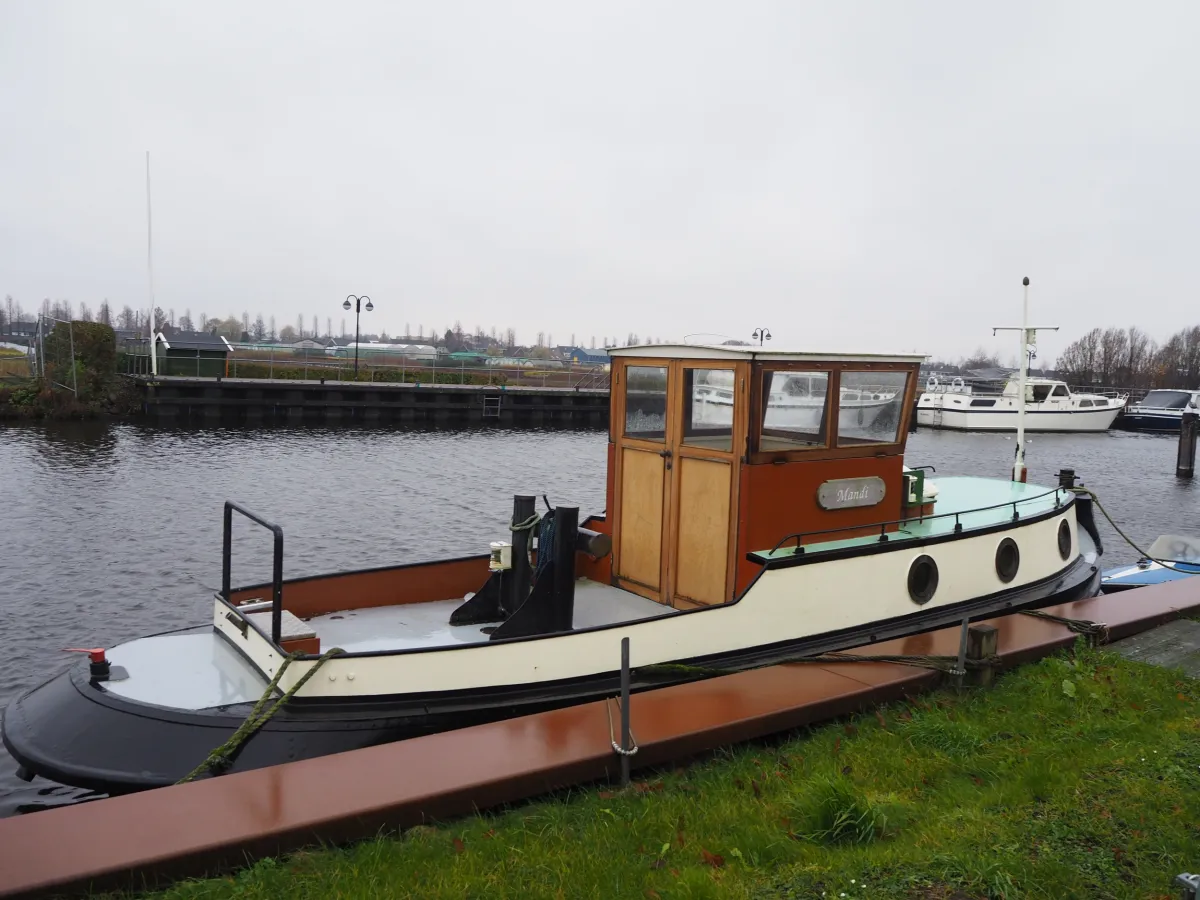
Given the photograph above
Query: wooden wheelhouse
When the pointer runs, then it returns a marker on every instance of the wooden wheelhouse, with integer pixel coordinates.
(715, 452)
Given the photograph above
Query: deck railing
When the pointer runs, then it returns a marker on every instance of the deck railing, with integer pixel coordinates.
(799, 536)
(276, 565)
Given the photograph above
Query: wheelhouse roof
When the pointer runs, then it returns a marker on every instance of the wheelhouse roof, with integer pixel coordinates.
(725, 351)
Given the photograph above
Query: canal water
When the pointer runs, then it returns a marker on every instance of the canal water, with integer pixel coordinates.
(114, 531)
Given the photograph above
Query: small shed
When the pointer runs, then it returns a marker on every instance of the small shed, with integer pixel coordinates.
(195, 353)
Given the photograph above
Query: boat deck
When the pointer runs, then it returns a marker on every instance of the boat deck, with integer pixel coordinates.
(414, 626)
(975, 502)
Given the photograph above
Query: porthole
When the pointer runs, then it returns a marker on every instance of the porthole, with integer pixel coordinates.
(1064, 539)
(922, 579)
(1008, 560)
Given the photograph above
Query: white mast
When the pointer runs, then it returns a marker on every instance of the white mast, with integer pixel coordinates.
(1028, 337)
(153, 348)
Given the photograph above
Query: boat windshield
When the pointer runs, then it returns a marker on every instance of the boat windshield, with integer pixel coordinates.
(1176, 548)
(793, 410)
(1166, 399)
(871, 406)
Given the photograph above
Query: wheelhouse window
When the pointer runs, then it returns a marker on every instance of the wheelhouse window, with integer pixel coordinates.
(708, 396)
(1060, 390)
(793, 410)
(870, 407)
(646, 402)
(1083, 403)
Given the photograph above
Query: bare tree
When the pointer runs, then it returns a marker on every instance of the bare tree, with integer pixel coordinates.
(1114, 349)
(272, 335)
(1079, 360)
(300, 327)
(316, 327)
(185, 322)
(85, 312)
(202, 322)
(541, 339)
(259, 331)
(245, 322)
(329, 326)
(127, 321)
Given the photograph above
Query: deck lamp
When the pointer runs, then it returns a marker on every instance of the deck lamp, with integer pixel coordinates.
(358, 308)
(761, 334)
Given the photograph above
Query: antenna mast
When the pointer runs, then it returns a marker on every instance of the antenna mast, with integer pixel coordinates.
(1028, 339)
(151, 343)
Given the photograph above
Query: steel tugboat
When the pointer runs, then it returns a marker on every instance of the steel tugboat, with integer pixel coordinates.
(728, 542)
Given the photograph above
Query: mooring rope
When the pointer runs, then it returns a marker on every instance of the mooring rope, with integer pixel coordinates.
(632, 751)
(220, 758)
(948, 664)
(1096, 630)
(528, 525)
(1117, 528)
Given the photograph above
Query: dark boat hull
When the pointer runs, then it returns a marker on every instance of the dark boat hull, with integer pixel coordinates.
(72, 731)
(1135, 421)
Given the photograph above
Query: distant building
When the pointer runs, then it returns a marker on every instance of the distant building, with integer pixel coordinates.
(307, 344)
(580, 356)
(196, 353)
(19, 329)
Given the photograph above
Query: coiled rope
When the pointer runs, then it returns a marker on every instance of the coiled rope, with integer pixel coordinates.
(221, 758)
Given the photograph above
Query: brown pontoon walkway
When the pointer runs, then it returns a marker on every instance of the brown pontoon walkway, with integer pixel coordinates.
(146, 838)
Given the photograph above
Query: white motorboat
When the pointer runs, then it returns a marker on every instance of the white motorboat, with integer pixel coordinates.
(1049, 406)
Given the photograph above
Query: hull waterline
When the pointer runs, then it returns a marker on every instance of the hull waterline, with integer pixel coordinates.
(73, 731)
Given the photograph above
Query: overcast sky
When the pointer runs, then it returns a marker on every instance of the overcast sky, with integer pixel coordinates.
(856, 175)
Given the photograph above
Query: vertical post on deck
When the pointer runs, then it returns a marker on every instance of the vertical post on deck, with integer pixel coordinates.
(626, 744)
(1185, 461)
(518, 582)
(566, 528)
(226, 550)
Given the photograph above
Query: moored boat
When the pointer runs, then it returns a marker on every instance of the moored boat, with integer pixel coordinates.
(1160, 410)
(1180, 554)
(728, 544)
(1049, 406)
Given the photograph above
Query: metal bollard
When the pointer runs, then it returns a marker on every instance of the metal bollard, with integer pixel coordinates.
(1185, 461)
(1190, 884)
(960, 670)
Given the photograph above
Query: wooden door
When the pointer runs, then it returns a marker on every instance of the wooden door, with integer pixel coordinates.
(708, 435)
(641, 427)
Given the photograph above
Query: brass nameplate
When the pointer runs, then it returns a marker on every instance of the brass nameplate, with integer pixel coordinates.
(844, 493)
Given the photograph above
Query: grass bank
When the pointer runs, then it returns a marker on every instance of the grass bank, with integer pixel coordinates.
(1075, 777)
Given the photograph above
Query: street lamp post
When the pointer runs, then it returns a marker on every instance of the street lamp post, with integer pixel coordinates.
(358, 308)
(761, 334)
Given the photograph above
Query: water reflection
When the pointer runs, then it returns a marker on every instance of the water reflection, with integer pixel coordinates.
(77, 445)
